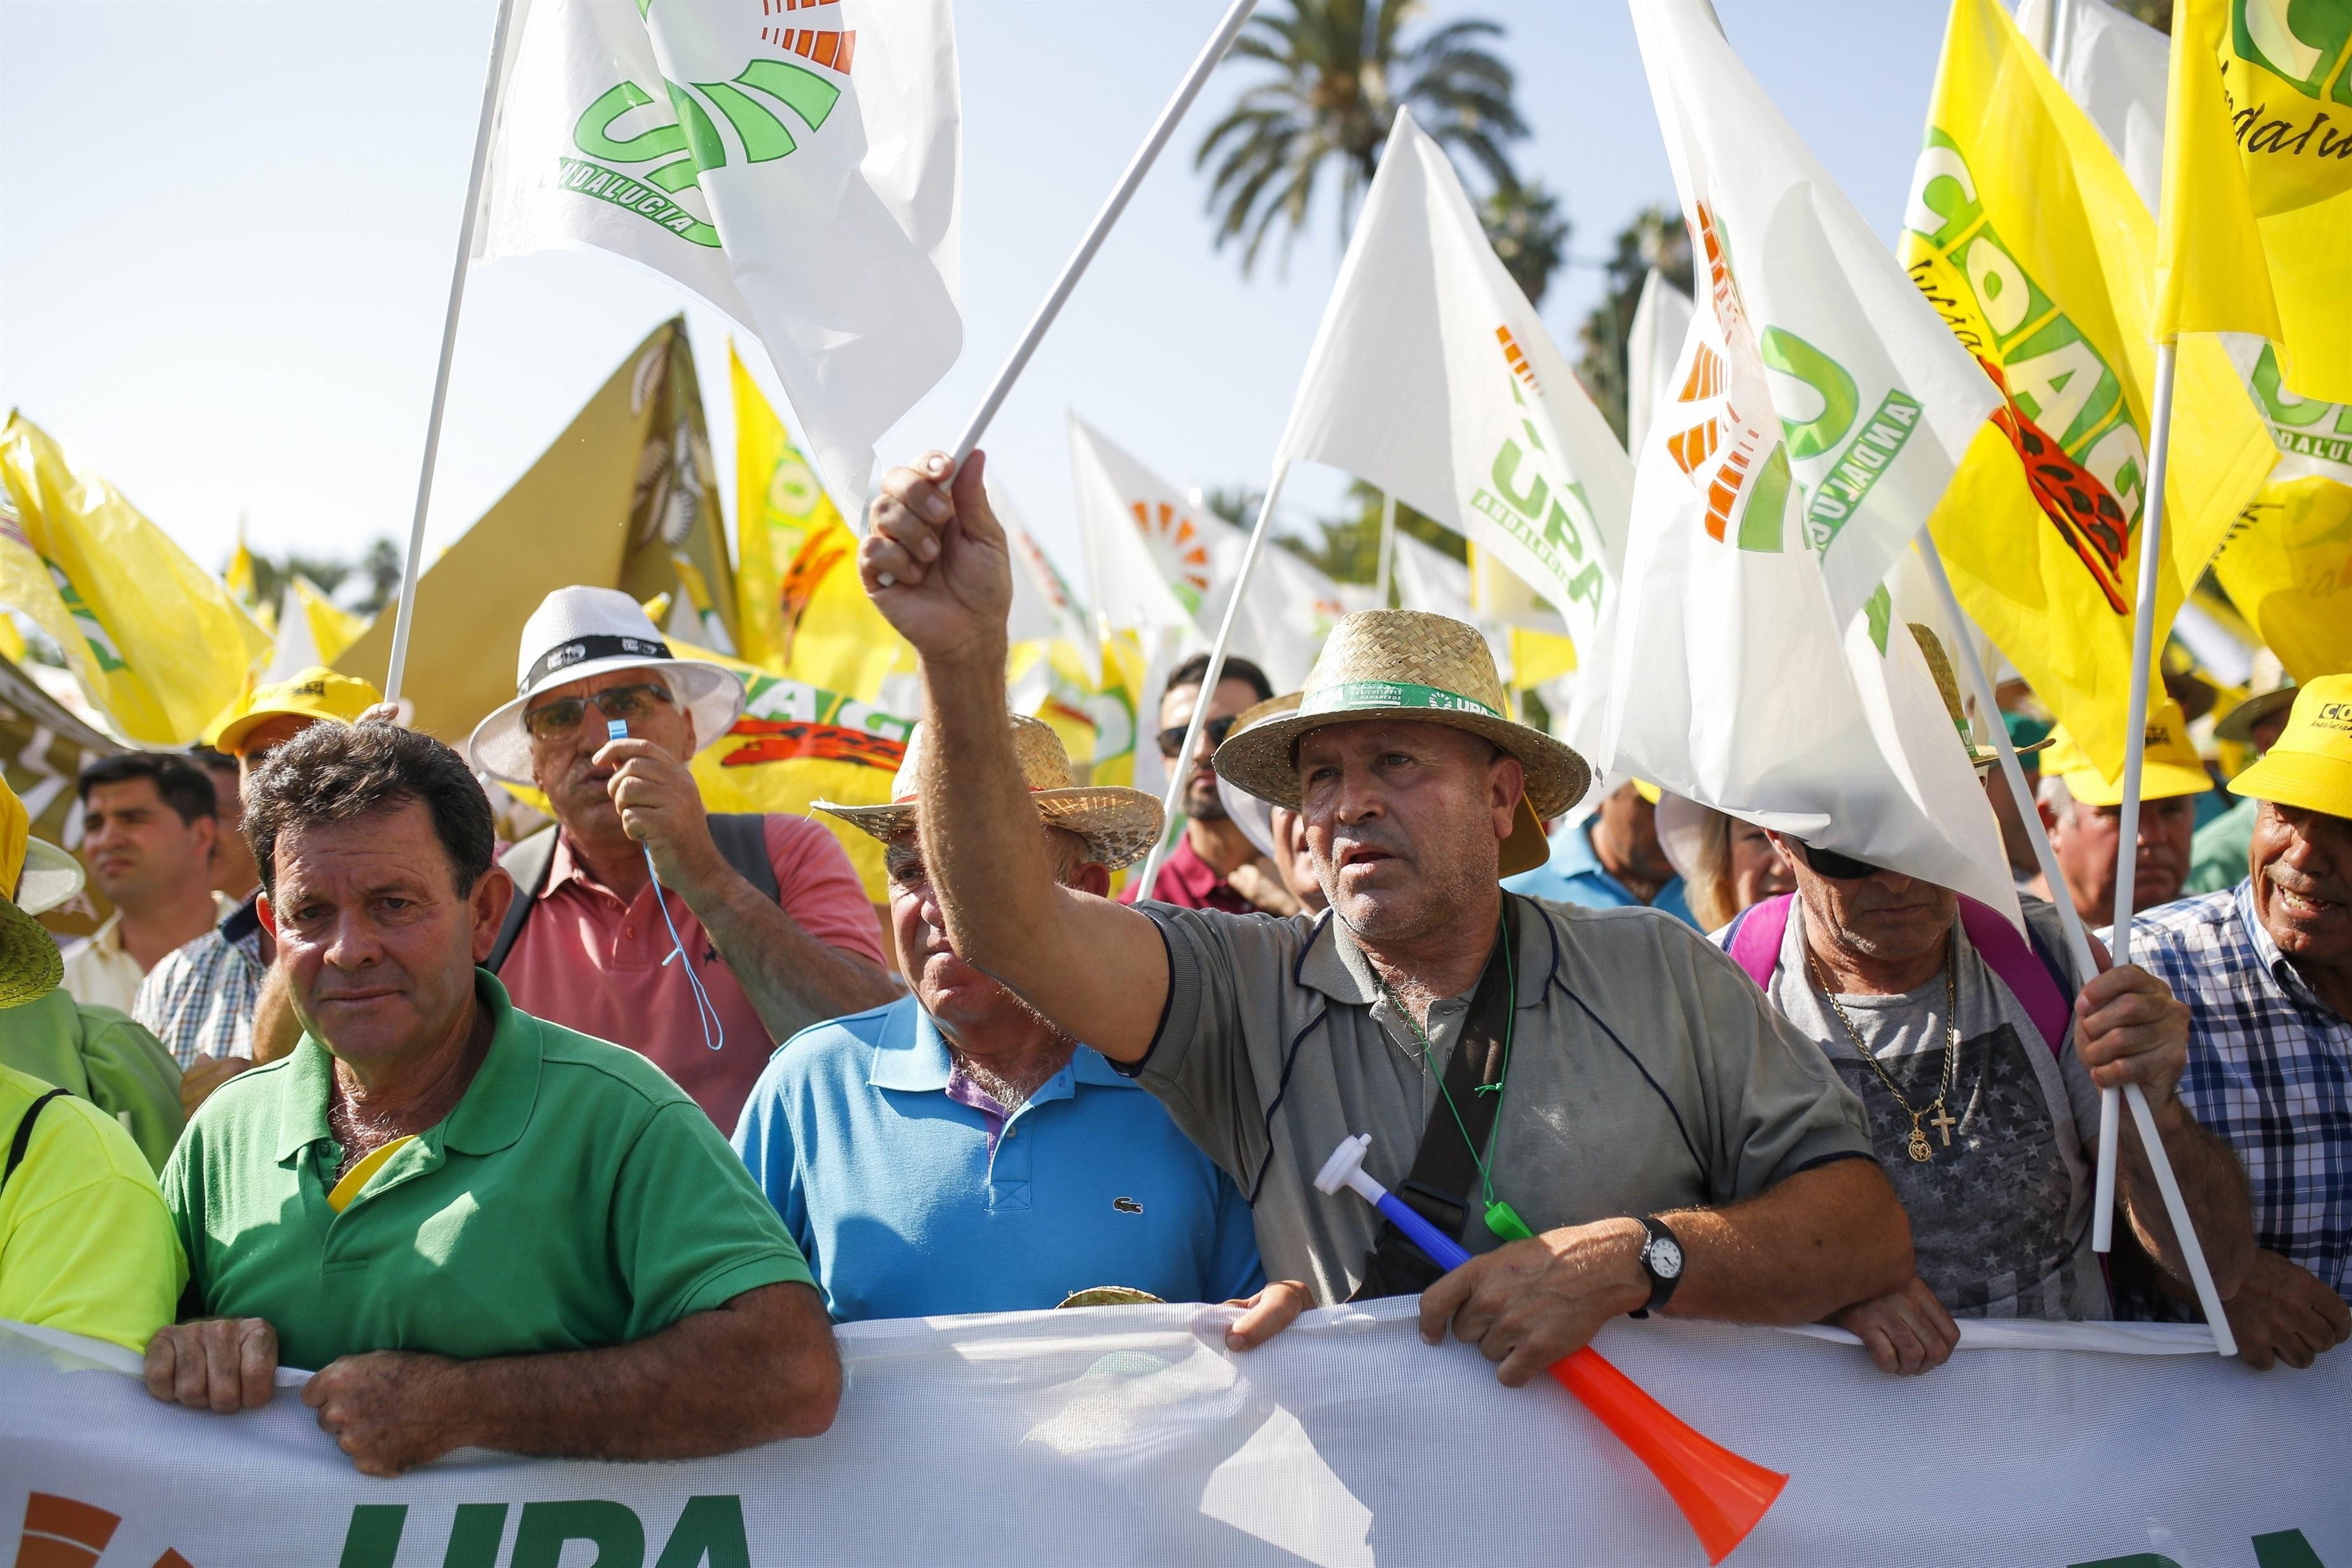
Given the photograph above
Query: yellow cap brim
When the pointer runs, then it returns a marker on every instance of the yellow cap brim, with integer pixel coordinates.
(2158, 782)
(2301, 779)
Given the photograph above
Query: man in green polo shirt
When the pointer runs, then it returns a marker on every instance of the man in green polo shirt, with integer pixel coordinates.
(483, 1229)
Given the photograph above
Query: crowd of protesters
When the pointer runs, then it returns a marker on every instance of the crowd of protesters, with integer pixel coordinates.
(345, 1083)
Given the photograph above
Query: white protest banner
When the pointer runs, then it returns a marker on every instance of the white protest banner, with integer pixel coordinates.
(1129, 1435)
(1432, 378)
(1661, 321)
(793, 164)
(1849, 403)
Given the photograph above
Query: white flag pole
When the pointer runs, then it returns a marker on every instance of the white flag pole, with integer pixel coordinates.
(2078, 946)
(404, 614)
(1388, 549)
(1179, 771)
(2151, 554)
(1139, 165)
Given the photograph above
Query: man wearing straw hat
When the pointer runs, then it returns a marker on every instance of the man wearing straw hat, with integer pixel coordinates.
(955, 1153)
(769, 929)
(2265, 968)
(1650, 1132)
(86, 1245)
(1983, 1086)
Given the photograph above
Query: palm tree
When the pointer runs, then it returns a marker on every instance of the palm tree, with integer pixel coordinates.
(1342, 69)
(1656, 238)
(1529, 232)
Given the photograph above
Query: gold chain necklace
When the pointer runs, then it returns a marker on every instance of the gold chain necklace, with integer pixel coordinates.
(1942, 1118)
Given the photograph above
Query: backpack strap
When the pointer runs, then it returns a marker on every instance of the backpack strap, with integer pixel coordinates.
(24, 1138)
(742, 840)
(1756, 934)
(2023, 966)
(528, 864)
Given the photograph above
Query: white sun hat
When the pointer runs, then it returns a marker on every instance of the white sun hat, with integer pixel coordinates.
(577, 633)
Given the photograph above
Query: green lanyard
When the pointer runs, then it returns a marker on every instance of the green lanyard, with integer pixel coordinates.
(1500, 1216)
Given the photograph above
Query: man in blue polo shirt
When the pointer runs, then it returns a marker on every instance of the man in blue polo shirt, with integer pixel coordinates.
(955, 1153)
(1610, 859)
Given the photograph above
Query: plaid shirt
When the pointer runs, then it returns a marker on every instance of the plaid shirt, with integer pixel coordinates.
(2270, 1068)
(199, 1000)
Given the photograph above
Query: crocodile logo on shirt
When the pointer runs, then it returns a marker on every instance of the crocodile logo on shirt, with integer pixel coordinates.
(1126, 1206)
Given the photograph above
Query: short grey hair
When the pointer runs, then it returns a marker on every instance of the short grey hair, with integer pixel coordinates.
(2052, 792)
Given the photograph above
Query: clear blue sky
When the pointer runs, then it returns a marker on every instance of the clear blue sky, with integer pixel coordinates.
(229, 227)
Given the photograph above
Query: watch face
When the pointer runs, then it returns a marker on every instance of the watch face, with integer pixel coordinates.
(1665, 1257)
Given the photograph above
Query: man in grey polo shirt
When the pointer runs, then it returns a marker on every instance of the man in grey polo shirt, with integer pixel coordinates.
(1654, 1135)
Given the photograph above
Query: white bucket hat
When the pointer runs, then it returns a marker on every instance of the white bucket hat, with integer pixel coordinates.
(577, 633)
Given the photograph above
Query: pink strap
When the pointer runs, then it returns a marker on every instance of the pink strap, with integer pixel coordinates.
(1756, 938)
(2020, 966)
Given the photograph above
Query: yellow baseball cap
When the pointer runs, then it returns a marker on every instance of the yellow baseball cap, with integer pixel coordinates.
(316, 692)
(2171, 764)
(34, 876)
(2311, 766)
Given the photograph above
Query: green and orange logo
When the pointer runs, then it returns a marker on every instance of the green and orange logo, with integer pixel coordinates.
(797, 67)
(1180, 546)
(61, 1532)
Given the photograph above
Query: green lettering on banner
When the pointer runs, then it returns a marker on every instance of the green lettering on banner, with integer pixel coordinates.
(1791, 355)
(473, 1537)
(619, 191)
(1851, 477)
(710, 1531)
(373, 1538)
(2285, 1549)
(1879, 611)
(619, 1535)
(1760, 524)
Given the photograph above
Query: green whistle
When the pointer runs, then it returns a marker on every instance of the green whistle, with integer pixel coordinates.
(1504, 1221)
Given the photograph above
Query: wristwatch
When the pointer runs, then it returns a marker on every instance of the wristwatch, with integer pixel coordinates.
(1662, 1260)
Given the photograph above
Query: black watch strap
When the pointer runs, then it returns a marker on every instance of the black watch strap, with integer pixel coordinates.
(1661, 1283)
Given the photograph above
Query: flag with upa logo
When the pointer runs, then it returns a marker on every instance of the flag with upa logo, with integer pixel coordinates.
(1432, 378)
(794, 165)
(1836, 405)
(1736, 677)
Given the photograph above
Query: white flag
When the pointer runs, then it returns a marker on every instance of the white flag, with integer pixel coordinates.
(1432, 378)
(796, 166)
(1158, 560)
(1730, 684)
(1845, 401)
(2117, 68)
(1661, 321)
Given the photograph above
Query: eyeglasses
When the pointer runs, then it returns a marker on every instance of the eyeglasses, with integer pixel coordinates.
(1833, 865)
(563, 716)
(1171, 741)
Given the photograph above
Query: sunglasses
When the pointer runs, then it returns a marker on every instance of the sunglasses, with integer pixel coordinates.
(1833, 865)
(1171, 741)
(563, 716)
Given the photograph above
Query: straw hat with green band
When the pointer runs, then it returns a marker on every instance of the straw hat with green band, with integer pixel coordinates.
(1939, 665)
(34, 877)
(1407, 664)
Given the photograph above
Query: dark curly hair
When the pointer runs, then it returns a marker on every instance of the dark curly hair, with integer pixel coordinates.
(333, 772)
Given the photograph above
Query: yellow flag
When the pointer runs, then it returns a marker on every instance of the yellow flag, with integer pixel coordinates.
(2026, 235)
(2288, 568)
(803, 610)
(2258, 183)
(1048, 678)
(620, 495)
(154, 639)
(796, 743)
(239, 578)
(333, 628)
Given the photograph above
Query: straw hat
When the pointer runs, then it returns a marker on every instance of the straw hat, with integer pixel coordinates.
(1118, 825)
(1939, 664)
(2273, 693)
(1430, 669)
(1253, 816)
(34, 877)
(317, 693)
(577, 633)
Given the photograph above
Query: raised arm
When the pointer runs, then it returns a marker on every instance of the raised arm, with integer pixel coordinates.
(1097, 969)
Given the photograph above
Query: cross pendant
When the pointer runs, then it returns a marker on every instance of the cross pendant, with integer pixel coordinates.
(1943, 1124)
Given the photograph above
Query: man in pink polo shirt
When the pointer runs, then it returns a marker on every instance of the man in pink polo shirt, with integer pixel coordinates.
(776, 930)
